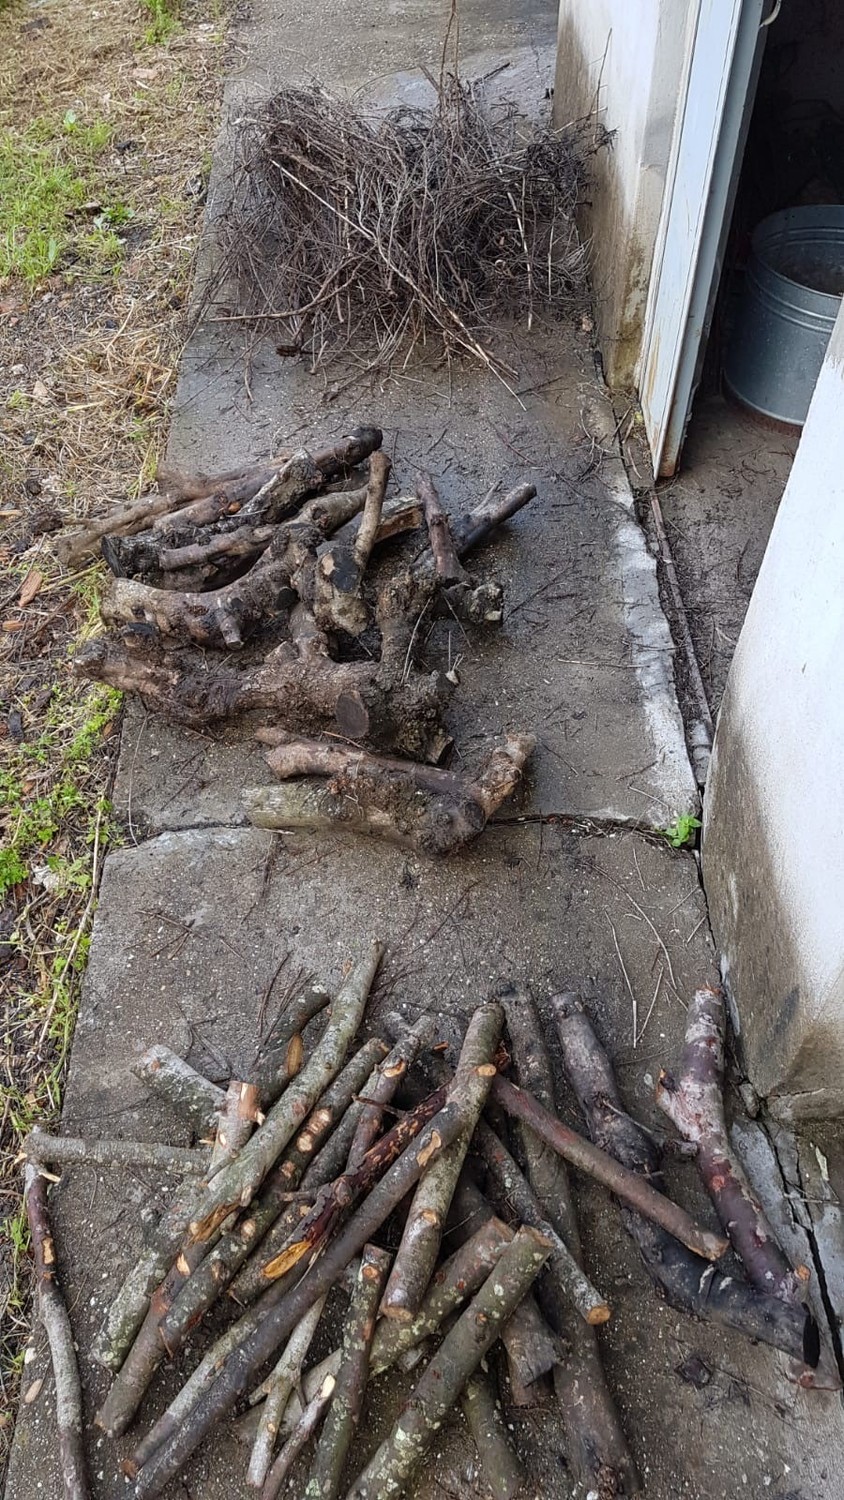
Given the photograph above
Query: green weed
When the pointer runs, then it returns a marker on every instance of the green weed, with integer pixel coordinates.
(682, 832)
(44, 183)
(164, 21)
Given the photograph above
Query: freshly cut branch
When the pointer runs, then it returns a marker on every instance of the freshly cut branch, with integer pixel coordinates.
(383, 1084)
(598, 1453)
(281, 1052)
(222, 1263)
(435, 812)
(457, 1358)
(511, 1189)
(725, 1300)
(68, 1150)
(694, 1104)
(422, 1236)
(633, 1191)
(191, 1095)
(284, 1379)
(502, 1467)
(326, 1474)
(56, 1323)
(280, 1311)
(235, 1185)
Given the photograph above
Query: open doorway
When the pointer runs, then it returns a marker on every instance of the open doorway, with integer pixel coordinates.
(720, 506)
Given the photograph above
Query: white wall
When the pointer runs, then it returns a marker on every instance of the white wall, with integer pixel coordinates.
(622, 59)
(774, 809)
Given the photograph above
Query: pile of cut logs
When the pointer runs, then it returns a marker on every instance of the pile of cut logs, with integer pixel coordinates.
(377, 1171)
(245, 592)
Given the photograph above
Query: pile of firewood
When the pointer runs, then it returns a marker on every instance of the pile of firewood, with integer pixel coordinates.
(241, 593)
(339, 1166)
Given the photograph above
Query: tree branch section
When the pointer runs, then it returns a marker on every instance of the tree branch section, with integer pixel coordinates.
(694, 1103)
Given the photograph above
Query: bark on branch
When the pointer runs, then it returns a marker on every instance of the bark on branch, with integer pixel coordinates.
(53, 1315)
(694, 1104)
(68, 1150)
(193, 1097)
(596, 1163)
(419, 807)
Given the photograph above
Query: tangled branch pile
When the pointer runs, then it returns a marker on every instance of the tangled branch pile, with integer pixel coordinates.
(298, 1189)
(348, 226)
(257, 558)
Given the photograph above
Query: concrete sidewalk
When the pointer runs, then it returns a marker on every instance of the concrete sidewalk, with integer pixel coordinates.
(197, 911)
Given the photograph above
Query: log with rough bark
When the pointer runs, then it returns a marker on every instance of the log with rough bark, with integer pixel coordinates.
(419, 807)
(530, 1346)
(694, 1103)
(447, 564)
(588, 1158)
(701, 1291)
(297, 684)
(53, 1316)
(285, 1378)
(420, 1243)
(280, 1310)
(399, 1456)
(199, 499)
(338, 602)
(324, 1481)
(597, 1448)
(501, 1465)
(192, 1096)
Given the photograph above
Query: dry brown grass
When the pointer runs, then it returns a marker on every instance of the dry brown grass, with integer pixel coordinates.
(88, 356)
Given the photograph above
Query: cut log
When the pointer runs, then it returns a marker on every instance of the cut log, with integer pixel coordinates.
(633, 1191)
(531, 1348)
(53, 1316)
(280, 1053)
(509, 1189)
(397, 1460)
(699, 1291)
(419, 807)
(501, 1466)
(387, 1077)
(192, 1096)
(447, 565)
(420, 1243)
(598, 1453)
(298, 1439)
(338, 602)
(694, 1103)
(324, 1482)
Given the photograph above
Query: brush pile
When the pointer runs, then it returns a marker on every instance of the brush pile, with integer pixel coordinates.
(372, 1176)
(349, 228)
(248, 592)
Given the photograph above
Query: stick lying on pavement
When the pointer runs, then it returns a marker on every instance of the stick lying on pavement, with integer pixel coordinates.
(53, 1315)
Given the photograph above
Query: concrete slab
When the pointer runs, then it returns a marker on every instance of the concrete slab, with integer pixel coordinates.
(584, 657)
(191, 927)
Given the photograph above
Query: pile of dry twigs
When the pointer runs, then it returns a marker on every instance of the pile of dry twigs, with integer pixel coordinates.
(242, 592)
(348, 227)
(297, 1190)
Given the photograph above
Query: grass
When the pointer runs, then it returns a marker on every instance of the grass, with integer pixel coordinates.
(48, 172)
(97, 238)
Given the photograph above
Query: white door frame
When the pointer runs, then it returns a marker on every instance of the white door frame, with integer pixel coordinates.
(723, 55)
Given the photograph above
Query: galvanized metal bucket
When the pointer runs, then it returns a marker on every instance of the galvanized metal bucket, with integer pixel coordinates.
(793, 290)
